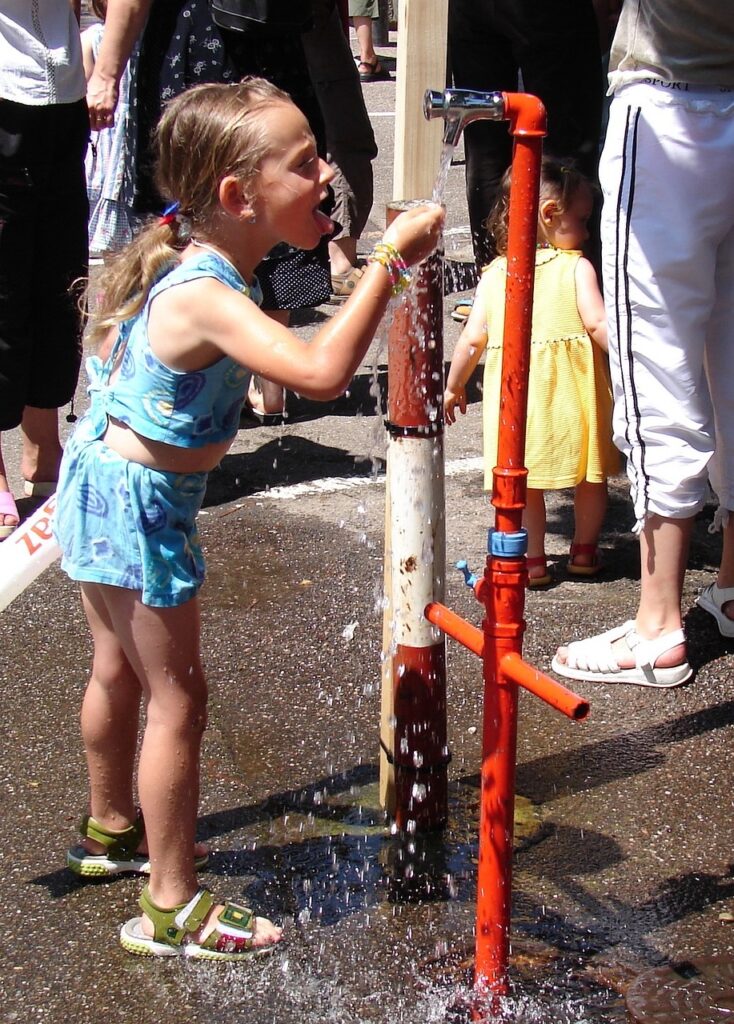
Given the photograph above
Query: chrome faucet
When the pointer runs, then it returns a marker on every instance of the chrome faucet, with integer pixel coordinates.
(458, 107)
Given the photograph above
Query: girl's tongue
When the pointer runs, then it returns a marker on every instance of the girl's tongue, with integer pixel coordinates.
(325, 224)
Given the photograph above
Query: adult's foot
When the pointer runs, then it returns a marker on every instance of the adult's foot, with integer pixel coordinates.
(373, 71)
(622, 655)
(719, 603)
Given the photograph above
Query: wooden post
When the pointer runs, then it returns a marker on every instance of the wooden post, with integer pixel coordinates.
(421, 65)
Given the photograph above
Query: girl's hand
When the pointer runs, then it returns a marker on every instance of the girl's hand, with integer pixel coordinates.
(415, 233)
(452, 399)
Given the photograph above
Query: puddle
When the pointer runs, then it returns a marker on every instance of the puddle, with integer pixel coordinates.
(379, 925)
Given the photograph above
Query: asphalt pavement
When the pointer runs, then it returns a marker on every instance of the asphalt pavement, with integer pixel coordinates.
(624, 856)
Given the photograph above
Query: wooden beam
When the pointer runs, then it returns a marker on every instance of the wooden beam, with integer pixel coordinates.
(421, 65)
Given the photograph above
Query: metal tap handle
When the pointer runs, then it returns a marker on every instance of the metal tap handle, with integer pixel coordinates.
(469, 103)
(458, 107)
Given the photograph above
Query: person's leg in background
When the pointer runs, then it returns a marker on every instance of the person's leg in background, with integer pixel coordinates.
(350, 141)
(61, 268)
(362, 13)
(17, 212)
(718, 598)
(663, 416)
(43, 250)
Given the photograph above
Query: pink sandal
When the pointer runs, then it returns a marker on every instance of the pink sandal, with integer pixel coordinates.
(8, 508)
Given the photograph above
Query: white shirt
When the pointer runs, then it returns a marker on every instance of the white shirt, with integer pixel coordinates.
(689, 41)
(40, 53)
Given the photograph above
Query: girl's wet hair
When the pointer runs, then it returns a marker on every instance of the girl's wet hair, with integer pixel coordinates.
(560, 180)
(206, 134)
(100, 8)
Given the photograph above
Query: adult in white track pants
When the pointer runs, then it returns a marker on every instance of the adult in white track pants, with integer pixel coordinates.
(668, 267)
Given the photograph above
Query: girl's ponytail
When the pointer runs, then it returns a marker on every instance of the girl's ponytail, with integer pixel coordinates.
(128, 277)
(204, 134)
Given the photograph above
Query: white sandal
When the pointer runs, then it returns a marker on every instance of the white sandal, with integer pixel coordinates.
(595, 660)
(712, 599)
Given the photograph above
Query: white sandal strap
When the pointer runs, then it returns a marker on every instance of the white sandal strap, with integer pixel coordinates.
(720, 595)
(595, 653)
(647, 652)
(190, 917)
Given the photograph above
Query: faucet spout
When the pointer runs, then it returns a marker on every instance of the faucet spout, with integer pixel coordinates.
(459, 107)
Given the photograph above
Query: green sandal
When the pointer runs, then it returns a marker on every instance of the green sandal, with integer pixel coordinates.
(120, 851)
(231, 938)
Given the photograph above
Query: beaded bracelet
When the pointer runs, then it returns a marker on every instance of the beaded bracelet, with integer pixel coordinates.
(388, 257)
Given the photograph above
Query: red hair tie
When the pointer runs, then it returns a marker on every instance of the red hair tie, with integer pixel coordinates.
(169, 214)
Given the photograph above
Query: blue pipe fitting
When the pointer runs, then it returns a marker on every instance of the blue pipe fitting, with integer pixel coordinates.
(507, 545)
(469, 578)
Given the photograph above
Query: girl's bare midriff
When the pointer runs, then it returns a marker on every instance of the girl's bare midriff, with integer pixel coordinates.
(158, 455)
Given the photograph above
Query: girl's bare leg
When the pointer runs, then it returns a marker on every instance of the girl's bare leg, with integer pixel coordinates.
(534, 522)
(109, 720)
(162, 646)
(110, 724)
(590, 506)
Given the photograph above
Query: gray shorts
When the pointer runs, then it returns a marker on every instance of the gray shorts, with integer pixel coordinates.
(363, 9)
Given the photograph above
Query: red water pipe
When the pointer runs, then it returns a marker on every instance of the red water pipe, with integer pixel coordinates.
(526, 115)
(502, 587)
(456, 627)
(512, 666)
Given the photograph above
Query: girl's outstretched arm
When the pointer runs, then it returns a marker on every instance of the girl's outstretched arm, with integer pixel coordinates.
(472, 342)
(591, 304)
(323, 367)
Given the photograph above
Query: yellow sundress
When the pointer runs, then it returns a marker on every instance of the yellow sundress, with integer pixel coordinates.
(569, 425)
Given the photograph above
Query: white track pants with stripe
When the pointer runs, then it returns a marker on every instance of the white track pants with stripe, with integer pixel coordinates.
(667, 175)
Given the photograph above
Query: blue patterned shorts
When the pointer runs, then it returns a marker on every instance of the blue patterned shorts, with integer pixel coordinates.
(124, 524)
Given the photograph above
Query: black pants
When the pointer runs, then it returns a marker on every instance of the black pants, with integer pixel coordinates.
(554, 46)
(43, 251)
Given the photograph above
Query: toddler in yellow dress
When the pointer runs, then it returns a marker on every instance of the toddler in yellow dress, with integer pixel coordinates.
(569, 436)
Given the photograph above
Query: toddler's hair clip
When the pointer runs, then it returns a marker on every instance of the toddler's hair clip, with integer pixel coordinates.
(169, 214)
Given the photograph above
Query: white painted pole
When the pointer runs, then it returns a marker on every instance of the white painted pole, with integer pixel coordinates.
(421, 65)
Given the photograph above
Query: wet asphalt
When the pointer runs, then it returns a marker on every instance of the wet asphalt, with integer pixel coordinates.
(624, 855)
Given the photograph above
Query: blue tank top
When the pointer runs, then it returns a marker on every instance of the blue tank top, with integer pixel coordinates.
(185, 409)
